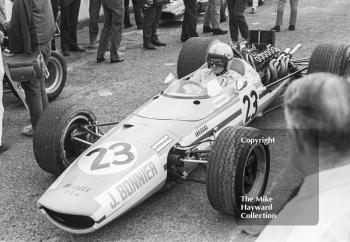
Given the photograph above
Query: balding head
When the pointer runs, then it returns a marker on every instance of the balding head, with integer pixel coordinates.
(319, 104)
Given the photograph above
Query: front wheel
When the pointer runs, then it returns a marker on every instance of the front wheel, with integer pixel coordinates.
(58, 75)
(56, 140)
(236, 168)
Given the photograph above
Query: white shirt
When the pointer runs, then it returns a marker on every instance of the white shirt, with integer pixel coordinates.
(334, 210)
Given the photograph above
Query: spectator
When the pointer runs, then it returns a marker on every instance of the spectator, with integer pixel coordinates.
(55, 7)
(212, 16)
(69, 21)
(112, 29)
(3, 23)
(293, 15)
(237, 19)
(137, 14)
(152, 11)
(223, 7)
(32, 27)
(94, 12)
(189, 23)
(318, 113)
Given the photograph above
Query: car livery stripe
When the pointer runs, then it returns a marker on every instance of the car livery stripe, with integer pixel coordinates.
(225, 116)
(221, 125)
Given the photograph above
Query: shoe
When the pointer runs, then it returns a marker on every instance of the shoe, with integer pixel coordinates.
(100, 59)
(253, 10)
(184, 39)
(149, 46)
(234, 44)
(127, 26)
(3, 148)
(28, 131)
(207, 29)
(291, 28)
(276, 28)
(158, 43)
(219, 31)
(65, 53)
(77, 49)
(120, 59)
(223, 19)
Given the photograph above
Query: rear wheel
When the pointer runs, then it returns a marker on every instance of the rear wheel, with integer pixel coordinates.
(58, 75)
(330, 57)
(236, 168)
(55, 140)
(193, 55)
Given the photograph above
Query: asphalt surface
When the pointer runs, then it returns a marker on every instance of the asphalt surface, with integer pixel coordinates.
(112, 91)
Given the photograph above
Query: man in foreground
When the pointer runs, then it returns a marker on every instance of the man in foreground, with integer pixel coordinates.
(317, 112)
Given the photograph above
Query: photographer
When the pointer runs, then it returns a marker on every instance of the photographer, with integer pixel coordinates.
(32, 27)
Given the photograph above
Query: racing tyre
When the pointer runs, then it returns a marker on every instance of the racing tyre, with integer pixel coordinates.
(54, 145)
(58, 75)
(236, 169)
(193, 55)
(330, 57)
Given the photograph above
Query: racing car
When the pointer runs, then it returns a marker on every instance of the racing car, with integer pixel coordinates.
(176, 8)
(102, 176)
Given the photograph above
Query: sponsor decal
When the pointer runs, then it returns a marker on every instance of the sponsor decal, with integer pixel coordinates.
(122, 191)
(74, 190)
(218, 102)
(108, 158)
(162, 143)
(201, 130)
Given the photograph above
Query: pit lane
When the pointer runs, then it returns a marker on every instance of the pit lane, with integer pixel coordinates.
(183, 212)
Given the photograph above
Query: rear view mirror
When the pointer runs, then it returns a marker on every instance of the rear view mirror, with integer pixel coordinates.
(214, 88)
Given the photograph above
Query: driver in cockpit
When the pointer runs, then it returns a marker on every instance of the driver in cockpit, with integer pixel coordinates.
(219, 59)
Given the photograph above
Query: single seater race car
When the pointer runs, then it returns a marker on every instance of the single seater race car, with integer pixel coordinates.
(102, 176)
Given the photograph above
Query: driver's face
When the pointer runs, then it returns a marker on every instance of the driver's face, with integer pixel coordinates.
(217, 69)
(216, 65)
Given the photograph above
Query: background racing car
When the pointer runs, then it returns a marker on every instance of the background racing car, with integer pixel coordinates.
(104, 176)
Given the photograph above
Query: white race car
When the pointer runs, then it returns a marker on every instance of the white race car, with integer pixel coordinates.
(101, 176)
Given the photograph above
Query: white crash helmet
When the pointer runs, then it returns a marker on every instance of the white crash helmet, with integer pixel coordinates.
(219, 53)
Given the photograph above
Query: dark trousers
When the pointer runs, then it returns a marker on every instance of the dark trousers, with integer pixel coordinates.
(113, 27)
(69, 21)
(151, 18)
(237, 19)
(55, 4)
(189, 24)
(35, 94)
(137, 13)
(94, 11)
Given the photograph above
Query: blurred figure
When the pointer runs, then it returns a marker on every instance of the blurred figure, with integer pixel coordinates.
(189, 23)
(69, 22)
(223, 7)
(137, 14)
(112, 30)
(32, 27)
(237, 19)
(317, 113)
(293, 15)
(212, 16)
(55, 8)
(152, 11)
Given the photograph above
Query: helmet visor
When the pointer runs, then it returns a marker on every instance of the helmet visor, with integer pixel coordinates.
(217, 60)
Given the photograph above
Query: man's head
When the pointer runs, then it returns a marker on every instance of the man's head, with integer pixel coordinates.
(317, 110)
(219, 56)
